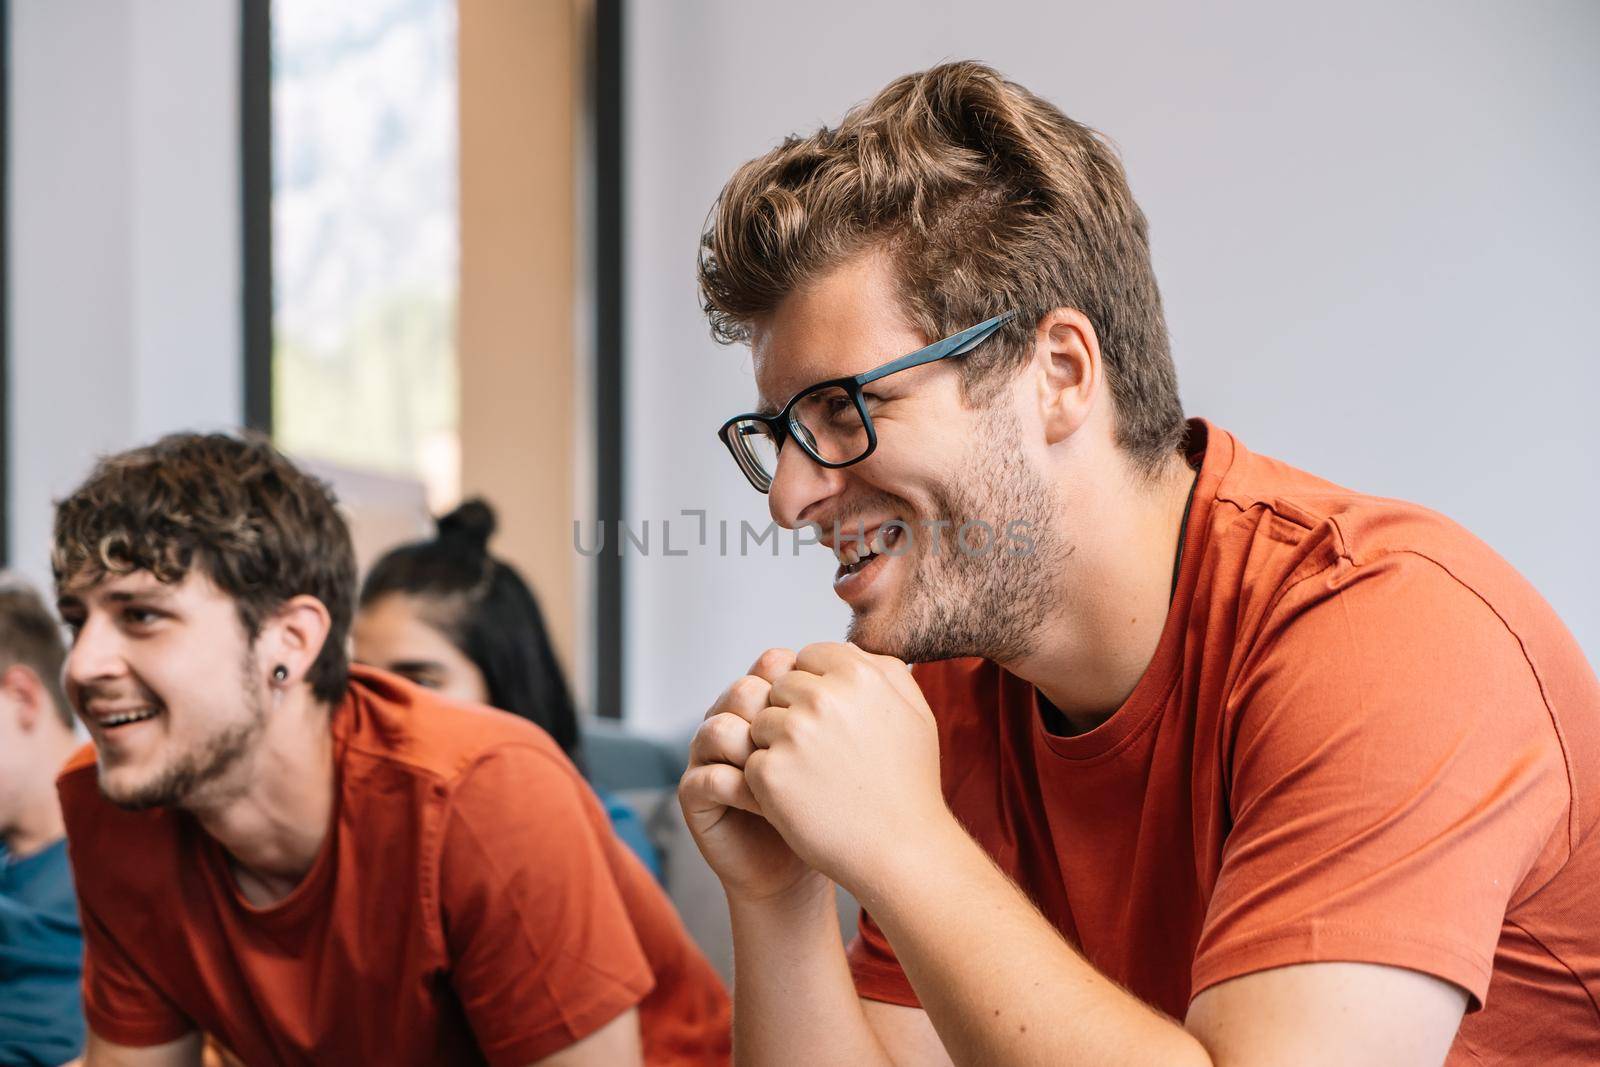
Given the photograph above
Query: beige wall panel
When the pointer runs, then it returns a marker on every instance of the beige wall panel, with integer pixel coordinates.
(519, 76)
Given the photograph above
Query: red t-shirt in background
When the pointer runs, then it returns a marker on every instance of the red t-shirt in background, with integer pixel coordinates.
(470, 905)
(1362, 737)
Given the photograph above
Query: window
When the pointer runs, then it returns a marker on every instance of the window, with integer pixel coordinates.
(365, 237)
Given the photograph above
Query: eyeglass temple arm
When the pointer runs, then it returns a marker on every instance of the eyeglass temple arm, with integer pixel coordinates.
(954, 345)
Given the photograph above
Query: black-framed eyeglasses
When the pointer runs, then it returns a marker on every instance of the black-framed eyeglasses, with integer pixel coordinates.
(830, 420)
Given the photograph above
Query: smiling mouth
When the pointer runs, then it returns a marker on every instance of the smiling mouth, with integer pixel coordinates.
(854, 555)
(124, 718)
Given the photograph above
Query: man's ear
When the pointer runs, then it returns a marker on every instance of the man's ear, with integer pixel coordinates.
(1067, 371)
(293, 637)
(21, 686)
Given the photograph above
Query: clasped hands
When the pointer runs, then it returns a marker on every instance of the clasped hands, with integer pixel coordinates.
(824, 762)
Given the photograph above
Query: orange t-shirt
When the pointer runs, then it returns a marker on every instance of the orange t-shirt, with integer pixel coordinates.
(469, 905)
(1362, 737)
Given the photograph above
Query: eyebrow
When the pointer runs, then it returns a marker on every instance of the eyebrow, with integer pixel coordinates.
(74, 601)
(415, 666)
(122, 596)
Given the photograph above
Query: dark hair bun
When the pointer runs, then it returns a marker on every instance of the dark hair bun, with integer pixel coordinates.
(472, 523)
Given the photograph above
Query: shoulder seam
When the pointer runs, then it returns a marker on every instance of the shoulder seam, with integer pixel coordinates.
(1573, 819)
(1538, 680)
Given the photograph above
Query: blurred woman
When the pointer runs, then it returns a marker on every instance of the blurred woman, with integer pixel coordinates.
(448, 615)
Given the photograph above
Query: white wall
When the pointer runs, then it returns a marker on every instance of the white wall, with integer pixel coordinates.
(125, 258)
(1374, 223)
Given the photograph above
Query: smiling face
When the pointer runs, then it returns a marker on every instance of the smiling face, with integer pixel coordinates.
(167, 683)
(927, 593)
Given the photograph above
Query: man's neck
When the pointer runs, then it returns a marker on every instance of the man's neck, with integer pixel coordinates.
(1114, 598)
(273, 816)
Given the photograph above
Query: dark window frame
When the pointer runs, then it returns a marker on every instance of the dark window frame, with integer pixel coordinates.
(255, 193)
(6, 450)
(608, 91)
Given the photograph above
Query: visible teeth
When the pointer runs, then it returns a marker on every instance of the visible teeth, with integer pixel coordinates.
(129, 716)
(855, 550)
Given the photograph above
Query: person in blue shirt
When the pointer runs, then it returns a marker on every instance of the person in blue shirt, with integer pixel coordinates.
(448, 615)
(41, 943)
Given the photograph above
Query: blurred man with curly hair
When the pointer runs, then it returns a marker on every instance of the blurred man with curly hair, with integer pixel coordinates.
(309, 862)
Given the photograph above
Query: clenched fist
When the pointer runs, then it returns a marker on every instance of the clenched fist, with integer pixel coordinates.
(745, 851)
(845, 763)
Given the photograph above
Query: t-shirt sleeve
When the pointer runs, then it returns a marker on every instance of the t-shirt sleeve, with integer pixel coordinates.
(1395, 776)
(542, 949)
(119, 1002)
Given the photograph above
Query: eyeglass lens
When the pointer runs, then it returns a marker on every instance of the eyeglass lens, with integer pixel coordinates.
(826, 422)
(755, 450)
(829, 423)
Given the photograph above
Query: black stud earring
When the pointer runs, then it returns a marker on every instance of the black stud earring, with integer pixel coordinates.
(280, 673)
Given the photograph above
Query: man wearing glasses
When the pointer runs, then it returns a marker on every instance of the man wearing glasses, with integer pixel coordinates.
(1230, 766)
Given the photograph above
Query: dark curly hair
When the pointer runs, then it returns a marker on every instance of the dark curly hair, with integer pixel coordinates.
(255, 524)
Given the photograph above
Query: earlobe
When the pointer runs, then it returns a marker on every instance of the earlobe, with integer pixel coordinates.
(300, 628)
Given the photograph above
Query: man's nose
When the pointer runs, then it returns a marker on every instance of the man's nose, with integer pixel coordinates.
(798, 485)
(96, 654)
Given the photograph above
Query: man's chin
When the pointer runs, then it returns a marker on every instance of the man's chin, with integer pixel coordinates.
(137, 792)
(889, 633)
(868, 632)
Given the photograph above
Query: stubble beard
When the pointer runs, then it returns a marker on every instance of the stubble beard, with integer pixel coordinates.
(194, 770)
(987, 603)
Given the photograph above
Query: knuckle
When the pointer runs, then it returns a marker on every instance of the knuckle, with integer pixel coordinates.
(697, 744)
(773, 663)
(808, 696)
(750, 690)
(727, 729)
(800, 726)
